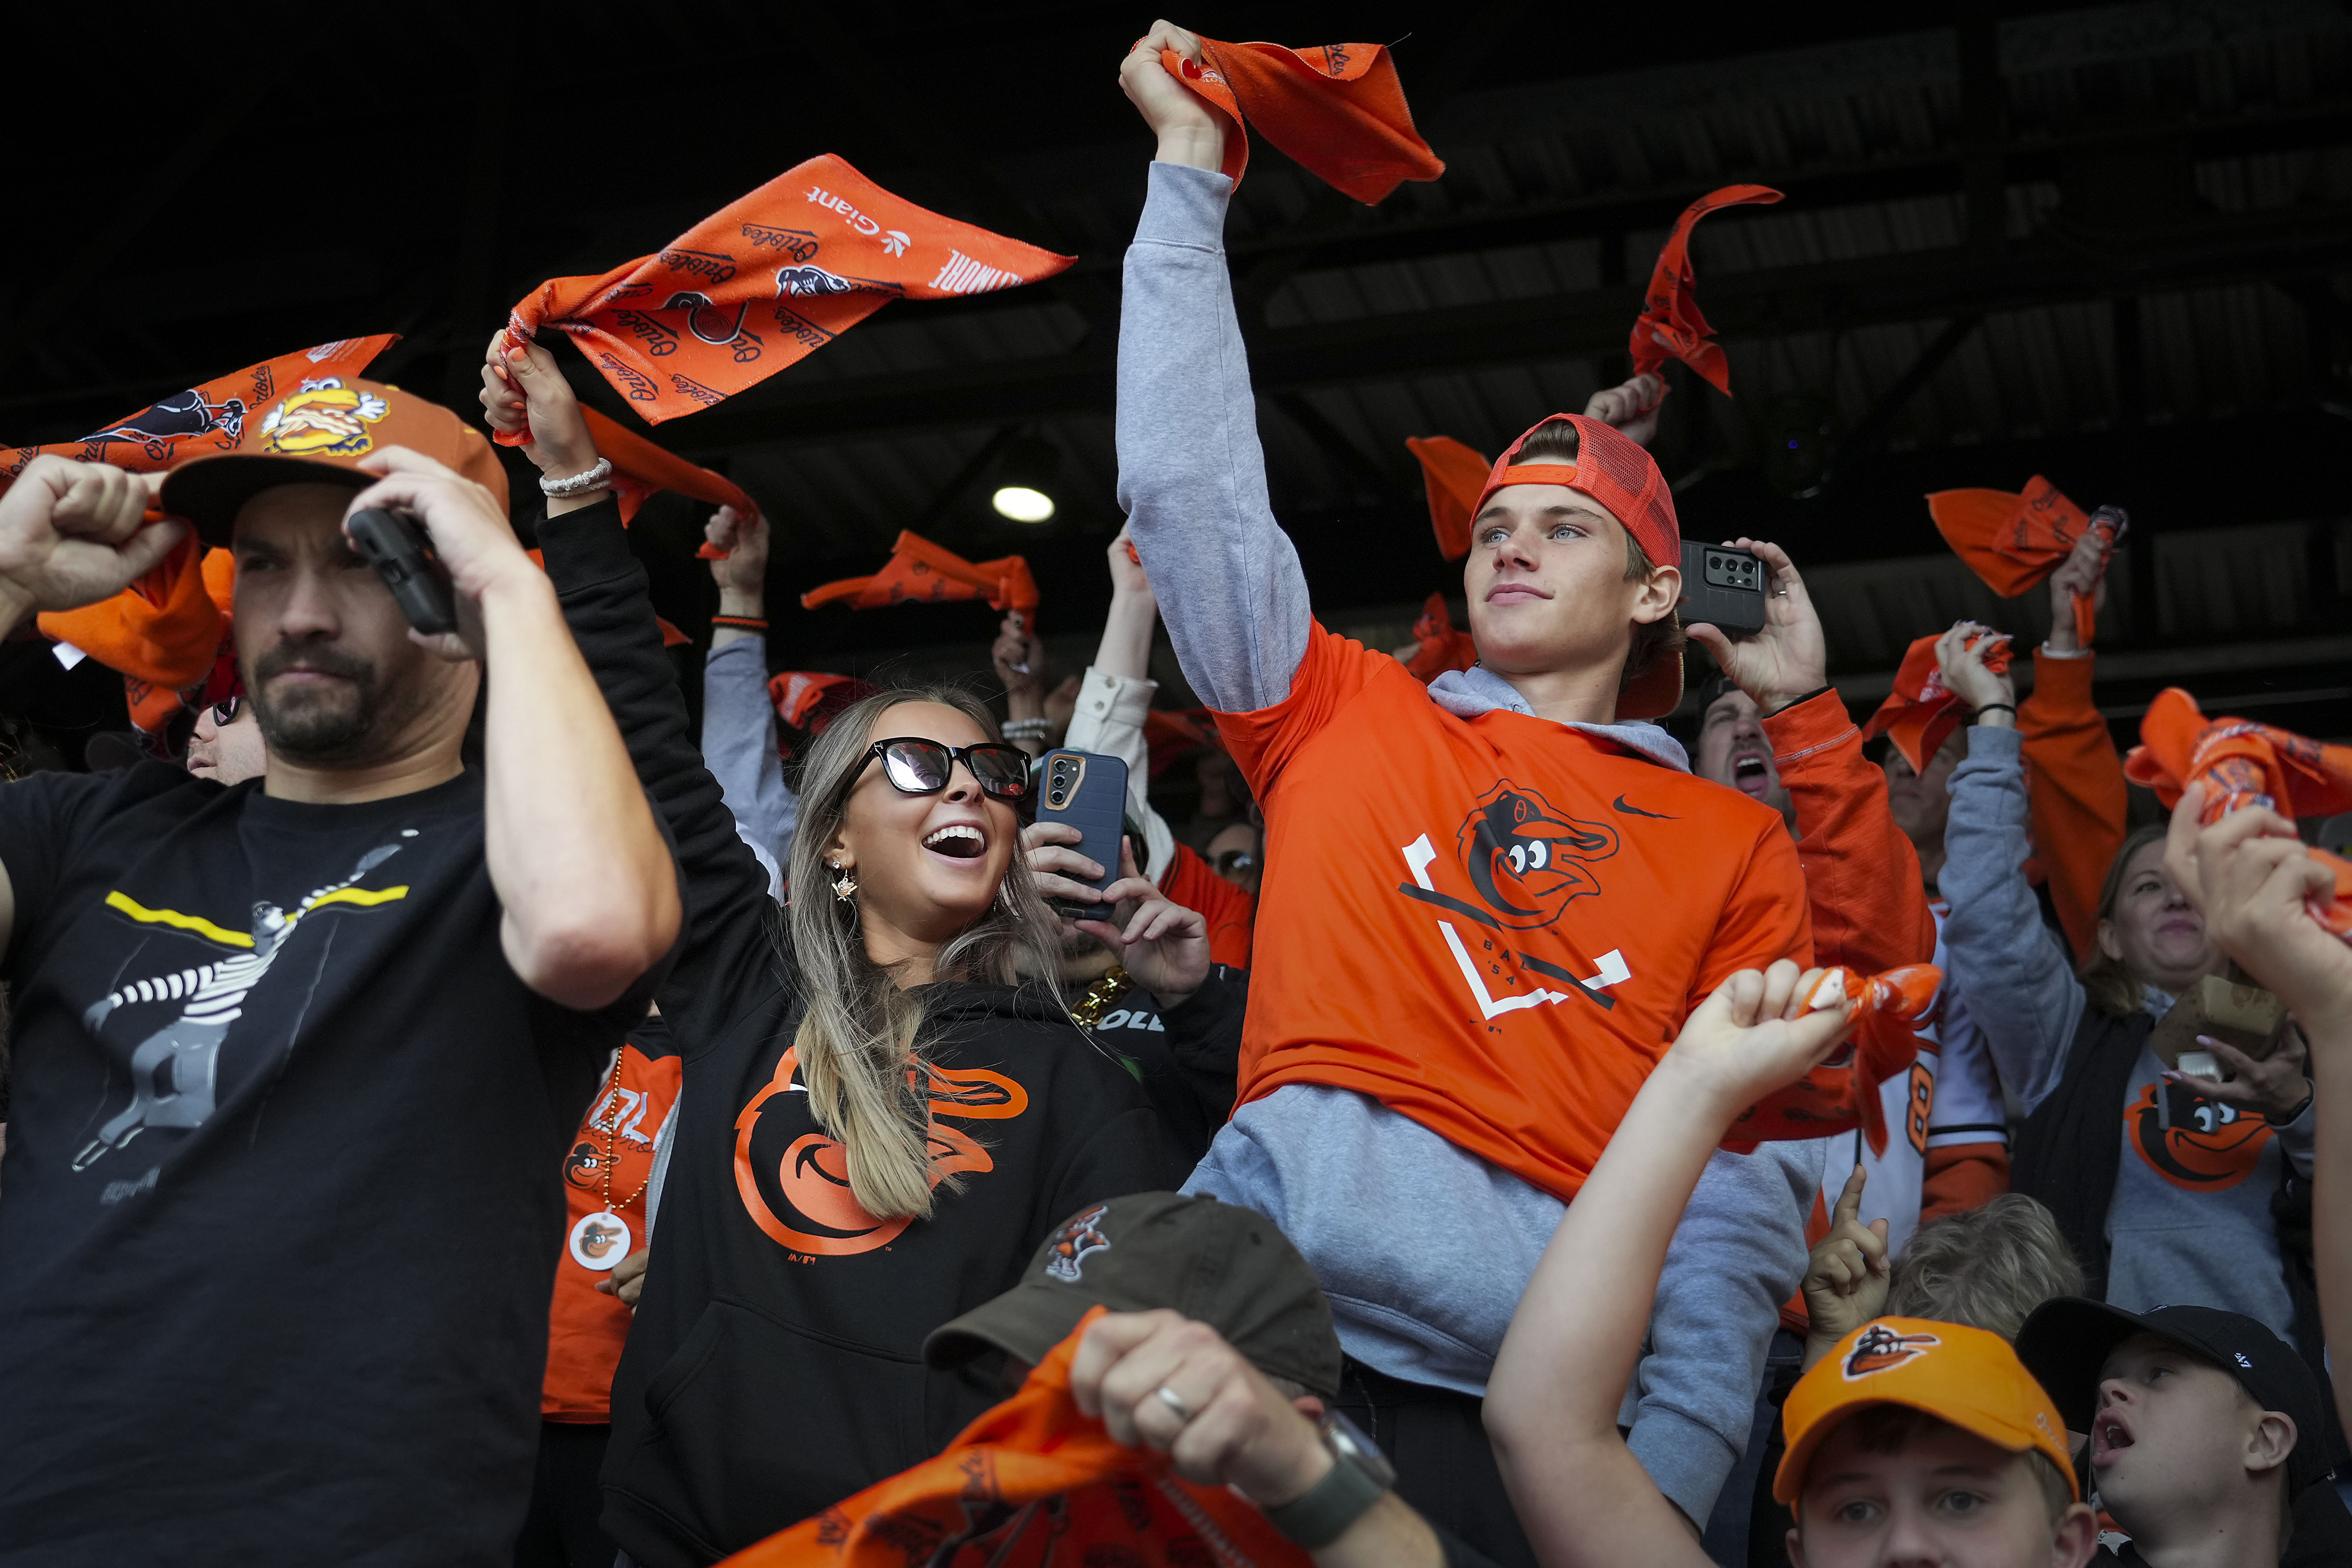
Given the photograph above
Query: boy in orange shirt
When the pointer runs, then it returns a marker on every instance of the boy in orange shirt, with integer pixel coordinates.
(1488, 904)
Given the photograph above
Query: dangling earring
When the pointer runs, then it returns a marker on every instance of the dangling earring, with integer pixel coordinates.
(844, 888)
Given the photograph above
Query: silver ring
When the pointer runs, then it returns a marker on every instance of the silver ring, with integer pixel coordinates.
(1167, 1396)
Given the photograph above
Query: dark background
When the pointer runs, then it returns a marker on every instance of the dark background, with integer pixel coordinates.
(2110, 246)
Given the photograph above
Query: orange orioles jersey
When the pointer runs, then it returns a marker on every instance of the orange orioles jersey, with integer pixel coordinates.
(1494, 925)
(585, 1327)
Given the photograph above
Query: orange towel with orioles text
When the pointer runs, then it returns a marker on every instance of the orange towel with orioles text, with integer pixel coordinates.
(2015, 542)
(1035, 1481)
(1338, 108)
(920, 573)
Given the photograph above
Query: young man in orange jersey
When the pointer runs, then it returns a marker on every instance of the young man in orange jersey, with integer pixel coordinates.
(1489, 903)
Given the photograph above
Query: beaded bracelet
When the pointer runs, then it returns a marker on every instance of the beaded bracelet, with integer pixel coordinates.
(576, 484)
(1028, 728)
(741, 623)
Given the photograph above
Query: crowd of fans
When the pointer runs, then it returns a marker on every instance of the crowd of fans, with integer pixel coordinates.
(1503, 1123)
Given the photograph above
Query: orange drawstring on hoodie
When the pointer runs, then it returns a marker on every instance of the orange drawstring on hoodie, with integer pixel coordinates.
(1337, 109)
(920, 573)
(1455, 475)
(1442, 647)
(2242, 764)
(1831, 1099)
(765, 281)
(971, 1507)
(1920, 713)
(2015, 542)
(1670, 326)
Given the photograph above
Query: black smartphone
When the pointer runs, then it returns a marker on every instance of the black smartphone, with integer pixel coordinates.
(1088, 792)
(1724, 587)
(397, 548)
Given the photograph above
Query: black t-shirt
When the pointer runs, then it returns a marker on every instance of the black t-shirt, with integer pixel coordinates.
(282, 1202)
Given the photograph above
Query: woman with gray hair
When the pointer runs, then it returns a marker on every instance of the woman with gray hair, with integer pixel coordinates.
(886, 1107)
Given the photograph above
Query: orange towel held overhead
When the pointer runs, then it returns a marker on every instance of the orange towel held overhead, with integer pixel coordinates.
(1454, 475)
(1920, 713)
(1337, 109)
(1839, 1097)
(920, 573)
(2015, 542)
(1670, 326)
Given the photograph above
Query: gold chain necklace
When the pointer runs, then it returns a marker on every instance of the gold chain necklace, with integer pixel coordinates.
(1088, 1012)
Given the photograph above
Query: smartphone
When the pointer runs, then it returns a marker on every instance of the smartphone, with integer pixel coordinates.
(397, 548)
(1724, 587)
(1088, 792)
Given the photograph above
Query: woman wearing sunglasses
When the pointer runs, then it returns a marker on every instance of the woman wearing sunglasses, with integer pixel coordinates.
(885, 1109)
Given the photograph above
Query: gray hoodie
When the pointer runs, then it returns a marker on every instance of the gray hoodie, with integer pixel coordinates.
(1333, 1167)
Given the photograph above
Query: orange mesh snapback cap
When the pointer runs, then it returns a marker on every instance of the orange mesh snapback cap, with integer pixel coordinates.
(317, 435)
(1623, 477)
(1963, 1375)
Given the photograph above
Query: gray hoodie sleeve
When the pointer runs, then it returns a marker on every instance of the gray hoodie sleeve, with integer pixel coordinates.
(739, 746)
(1738, 1253)
(2021, 992)
(1192, 476)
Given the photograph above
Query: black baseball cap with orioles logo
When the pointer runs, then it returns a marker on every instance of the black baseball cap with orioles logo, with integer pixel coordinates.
(1228, 1267)
(317, 435)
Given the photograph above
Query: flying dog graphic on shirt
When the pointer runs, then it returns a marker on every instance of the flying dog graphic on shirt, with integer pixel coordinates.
(174, 1070)
(1527, 862)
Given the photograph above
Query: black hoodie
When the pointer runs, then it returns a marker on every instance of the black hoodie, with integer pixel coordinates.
(775, 1365)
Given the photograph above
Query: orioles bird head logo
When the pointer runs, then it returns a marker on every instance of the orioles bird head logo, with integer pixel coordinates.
(1881, 1349)
(595, 1241)
(1075, 1242)
(580, 1166)
(1526, 860)
(2207, 1147)
(325, 419)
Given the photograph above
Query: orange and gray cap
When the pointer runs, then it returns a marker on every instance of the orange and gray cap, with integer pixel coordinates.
(1966, 1377)
(316, 435)
(1619, 475)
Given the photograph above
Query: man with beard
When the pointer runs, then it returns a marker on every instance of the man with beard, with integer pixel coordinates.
(277, 1043)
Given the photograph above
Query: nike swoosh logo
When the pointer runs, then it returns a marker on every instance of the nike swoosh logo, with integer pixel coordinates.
(1632, 811)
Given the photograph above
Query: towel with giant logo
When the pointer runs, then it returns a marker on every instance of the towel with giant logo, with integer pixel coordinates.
(1337, 108)
(2242, 764)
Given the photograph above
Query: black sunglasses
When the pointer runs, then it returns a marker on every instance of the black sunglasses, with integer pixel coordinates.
(918, 767)
(225, 712)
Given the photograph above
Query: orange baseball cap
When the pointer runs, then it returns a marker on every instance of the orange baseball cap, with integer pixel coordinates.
(317, 435)
(1963, 1375)
(1623, 477)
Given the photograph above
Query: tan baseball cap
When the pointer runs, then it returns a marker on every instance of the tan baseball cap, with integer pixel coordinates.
(1963, 1375)
(317, 435)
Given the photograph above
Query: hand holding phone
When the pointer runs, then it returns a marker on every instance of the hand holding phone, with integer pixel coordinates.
(1088, 792)
(1722, 586)
(397, 548)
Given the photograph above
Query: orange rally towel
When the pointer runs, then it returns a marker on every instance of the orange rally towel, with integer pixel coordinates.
(1337, 108)
(2244, 764)
(1831, 1099)
(797, 692)
(1670, 326)
(640, 468)
(2015, 542)
(1455, 476)
(1442, 647)
(766, 280)
(920, 573)
(164, 629)
(1033, 1483)
(1920, 713)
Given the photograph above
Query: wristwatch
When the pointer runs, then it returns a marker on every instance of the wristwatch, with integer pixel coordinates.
(1359, 1473)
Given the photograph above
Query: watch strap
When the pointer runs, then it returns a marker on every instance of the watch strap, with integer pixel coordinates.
(1329, 1507)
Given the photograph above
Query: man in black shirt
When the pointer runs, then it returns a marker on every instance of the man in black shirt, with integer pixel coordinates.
(294, 1059)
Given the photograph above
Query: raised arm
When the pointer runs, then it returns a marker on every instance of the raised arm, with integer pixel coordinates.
(738, 721)
(2075, 781)
(1191, 476)
(2021, 992)
(1115, 695)
(1551, 1402)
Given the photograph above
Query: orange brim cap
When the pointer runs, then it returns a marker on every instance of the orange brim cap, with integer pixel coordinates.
(317, 435)
(1963, 1375)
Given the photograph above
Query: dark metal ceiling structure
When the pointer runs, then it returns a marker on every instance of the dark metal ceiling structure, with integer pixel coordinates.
(2111, 245)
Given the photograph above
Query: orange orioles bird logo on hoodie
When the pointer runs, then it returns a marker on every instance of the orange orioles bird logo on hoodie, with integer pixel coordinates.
(805, 1202)
(2196, 1144)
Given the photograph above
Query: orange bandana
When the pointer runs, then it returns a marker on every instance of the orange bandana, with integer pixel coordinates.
(1442, 647)
(1337, 108)
(1455, 475)
(1920, 713)
(168, 630)
(2244, 764)
(1033, 1483)
(2015, 542)
(920, 573)
(1834, 1099)
(765, 281)
(1670, 327)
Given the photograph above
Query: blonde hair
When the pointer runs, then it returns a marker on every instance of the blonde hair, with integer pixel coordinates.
(1987, 1268)
(860, 1040)
(2108, 983)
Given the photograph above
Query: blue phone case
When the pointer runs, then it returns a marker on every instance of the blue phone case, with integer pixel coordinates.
(1089, 792)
